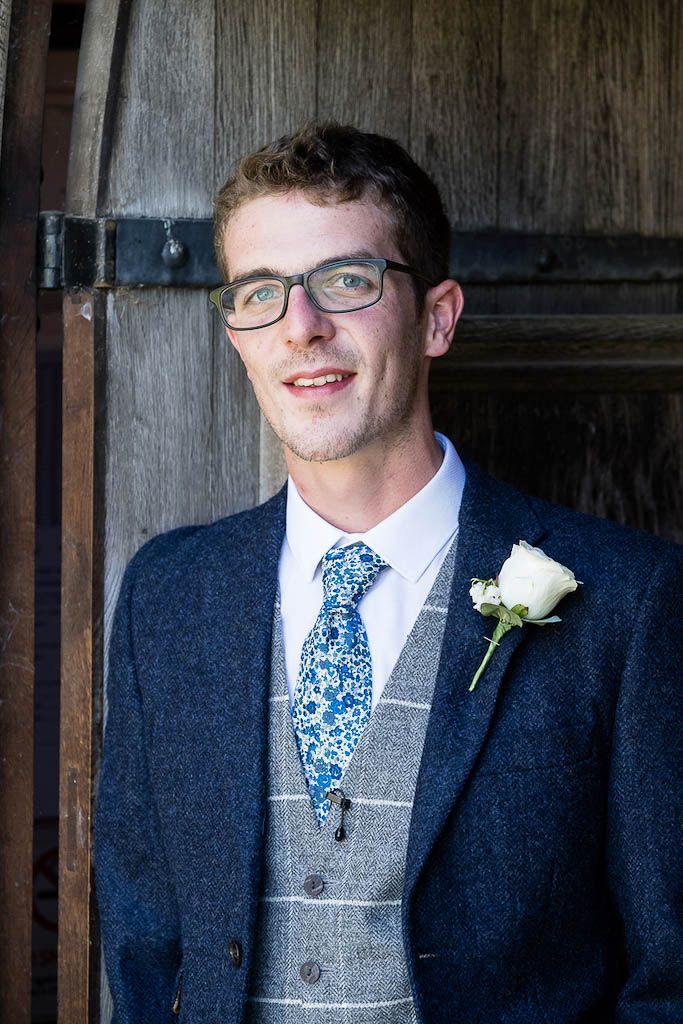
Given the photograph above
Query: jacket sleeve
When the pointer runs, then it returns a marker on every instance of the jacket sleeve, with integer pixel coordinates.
(138, 912)
(645, 814)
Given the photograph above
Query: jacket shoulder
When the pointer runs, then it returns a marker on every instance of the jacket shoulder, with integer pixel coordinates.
(618, 564)
(610, 543)
(174, 557)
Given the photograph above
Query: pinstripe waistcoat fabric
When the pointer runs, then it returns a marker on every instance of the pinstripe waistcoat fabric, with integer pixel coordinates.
(352, 931)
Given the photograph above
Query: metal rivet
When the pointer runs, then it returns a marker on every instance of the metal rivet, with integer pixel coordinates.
(174, 254)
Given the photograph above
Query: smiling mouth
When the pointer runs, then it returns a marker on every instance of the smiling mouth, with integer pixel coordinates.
(318, 382)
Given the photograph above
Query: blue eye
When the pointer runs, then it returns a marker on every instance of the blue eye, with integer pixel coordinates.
(352, 281)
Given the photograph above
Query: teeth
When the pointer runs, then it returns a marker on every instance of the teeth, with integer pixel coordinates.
(328, 378)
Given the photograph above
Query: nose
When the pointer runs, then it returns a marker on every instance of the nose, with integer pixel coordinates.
(303, 323)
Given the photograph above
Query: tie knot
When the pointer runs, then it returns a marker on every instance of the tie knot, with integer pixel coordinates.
(348, 573)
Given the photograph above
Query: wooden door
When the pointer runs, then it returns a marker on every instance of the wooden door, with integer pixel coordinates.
(551, 120)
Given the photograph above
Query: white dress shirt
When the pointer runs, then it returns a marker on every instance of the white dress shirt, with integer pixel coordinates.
(413, 541)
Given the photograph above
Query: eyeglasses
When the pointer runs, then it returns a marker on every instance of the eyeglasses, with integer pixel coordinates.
(339, 287)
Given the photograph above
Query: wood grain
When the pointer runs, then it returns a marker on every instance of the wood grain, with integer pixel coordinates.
(364, 65)
(634, 146)
(558, 353)
(98, 85)
(454, 105)
(543, 162)
(158, 467)
(265, 75)
(162, 158)
(591, 101)
(236, 426)
(81, 649)
(19, 197)
(590, 448)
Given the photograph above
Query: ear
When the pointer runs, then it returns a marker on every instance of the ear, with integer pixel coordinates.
(443, 306)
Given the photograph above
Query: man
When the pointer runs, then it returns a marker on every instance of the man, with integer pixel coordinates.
(305, 812)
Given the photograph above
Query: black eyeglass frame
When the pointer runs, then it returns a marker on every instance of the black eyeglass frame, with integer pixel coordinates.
(288, 282)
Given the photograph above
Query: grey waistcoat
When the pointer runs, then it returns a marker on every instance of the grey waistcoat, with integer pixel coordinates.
(347, 939)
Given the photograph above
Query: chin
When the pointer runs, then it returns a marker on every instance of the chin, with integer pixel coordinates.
(325, 449)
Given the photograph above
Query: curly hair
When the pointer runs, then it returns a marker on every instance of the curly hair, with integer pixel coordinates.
(334, 163)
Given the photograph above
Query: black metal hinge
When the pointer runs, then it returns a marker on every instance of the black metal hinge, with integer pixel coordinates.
(137, 252)
(129, 252)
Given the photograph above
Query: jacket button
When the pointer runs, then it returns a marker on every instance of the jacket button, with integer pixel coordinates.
(309, 972)
(235, 952)
(313, 885)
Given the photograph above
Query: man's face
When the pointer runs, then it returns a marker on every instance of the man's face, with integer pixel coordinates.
(379, 351)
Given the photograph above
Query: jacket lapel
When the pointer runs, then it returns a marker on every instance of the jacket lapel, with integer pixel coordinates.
(239, 587)
(493, 517)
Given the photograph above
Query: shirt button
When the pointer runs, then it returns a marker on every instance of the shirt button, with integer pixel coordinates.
(235, 952)
(309, 972)
(313, 885)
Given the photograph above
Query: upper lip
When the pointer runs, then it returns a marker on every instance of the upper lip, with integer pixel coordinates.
(312, 374)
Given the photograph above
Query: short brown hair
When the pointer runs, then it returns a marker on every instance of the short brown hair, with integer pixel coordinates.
(331, 162)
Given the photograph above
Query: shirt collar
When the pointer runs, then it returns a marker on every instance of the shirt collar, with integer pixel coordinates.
(402, 539)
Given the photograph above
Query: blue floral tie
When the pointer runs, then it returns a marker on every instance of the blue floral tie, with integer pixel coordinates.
(333, 696)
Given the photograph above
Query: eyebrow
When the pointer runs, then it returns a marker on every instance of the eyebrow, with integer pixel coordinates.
(357, 254)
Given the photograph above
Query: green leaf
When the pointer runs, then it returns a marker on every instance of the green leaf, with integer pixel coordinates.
(543, 622)
(490, 609)
(508, 616)
(521, 610)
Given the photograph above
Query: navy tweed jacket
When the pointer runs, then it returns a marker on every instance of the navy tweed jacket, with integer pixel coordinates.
(544, 879)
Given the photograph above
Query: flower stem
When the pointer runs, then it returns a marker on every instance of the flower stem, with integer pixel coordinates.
(501, 629)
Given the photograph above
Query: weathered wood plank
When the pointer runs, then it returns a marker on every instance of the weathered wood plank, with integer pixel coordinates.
(591, 101)
(19, 198)
(543, 161)
(265, 75)
(627, 298)
(633, 141)
(98, 85)
(162, 160)
(454, 106)
(364, 65)
(81, 648)
(158, 471)
(582, 450)
(236, 433)
(539, 354)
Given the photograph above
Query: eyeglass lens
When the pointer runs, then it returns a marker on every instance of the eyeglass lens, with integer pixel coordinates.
(336, 289)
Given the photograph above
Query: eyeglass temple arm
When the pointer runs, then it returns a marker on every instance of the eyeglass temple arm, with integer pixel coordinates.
(403, 269)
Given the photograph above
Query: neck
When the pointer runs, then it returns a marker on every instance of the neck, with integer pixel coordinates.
(358, 492)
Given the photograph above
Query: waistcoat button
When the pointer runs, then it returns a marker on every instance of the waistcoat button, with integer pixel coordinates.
(313, 885)
(235, 952)
(310, 972)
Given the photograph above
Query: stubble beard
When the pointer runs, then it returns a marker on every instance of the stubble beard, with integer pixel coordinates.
(328, 444)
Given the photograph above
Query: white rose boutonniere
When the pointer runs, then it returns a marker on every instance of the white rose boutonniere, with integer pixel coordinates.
(526, 590)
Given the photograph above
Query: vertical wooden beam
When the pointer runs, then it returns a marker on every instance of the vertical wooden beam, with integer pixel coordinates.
(81, 653)
(19, 203)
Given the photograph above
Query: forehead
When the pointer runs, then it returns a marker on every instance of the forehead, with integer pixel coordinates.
(288, 234)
